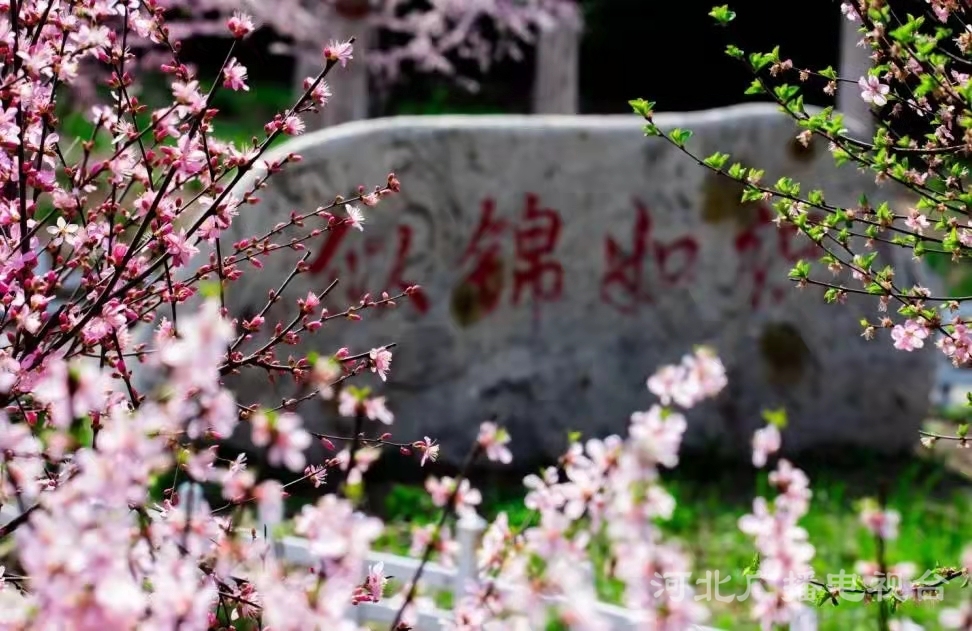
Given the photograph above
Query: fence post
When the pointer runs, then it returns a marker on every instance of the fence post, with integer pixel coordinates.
(469, 529)
(349, 102)
(556, 81)
(854, 63)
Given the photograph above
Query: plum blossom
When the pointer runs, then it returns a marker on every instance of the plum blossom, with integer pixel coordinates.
(240, 24)
(882, 523)
(380, 362)
(376, 410)
(355, 217)
(766, 441)
(493, 440)
(374, 586)
(285, 439)
(909, 336)
(62, 232)
(428, 449)
(783, 546)
(694, 379)
(324, 375)
(234, 76)
(957, 617)
(340, 52)
(466, 497)
(873, 91)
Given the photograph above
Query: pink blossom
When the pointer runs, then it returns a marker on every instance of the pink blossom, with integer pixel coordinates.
(374, 585)
(873, 91)
(324, 375)
(317, 474)
(285, 438)
(340, 52)
(240, 25)
(766, 441)
(916, 221)
(270, 502)
(494, 440)
(234, 76)
(321, 93)
(699, 376)
(466, 497)
(380, 362)
(910, 336)
(376, 410)
(882, 523)
(292, 125)
(430, 451)
(348, 404)
(656, 438)
(957, 617)
(355, 217)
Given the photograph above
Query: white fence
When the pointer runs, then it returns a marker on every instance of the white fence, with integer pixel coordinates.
(295, 550)
(460, 580)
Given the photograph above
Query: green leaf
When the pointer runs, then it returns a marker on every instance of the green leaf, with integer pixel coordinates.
(209, 289)
(756, 87)
(642, 107)
(716, 161)
(680, 136)
(722, 15)
(776, 417)
(735, 52)
(753, 567)
(651, 130)
(829, 73)
(800, 271)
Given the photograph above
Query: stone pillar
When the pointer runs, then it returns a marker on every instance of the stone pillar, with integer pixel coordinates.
(556, 82)
(854, 64)
(349, 85)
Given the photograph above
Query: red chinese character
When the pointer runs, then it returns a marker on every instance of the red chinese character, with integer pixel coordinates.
(396, 278)
(535, 272)
(331, 246)
(355, 286)
(486, 276)
(535, 243)
(351, 277)
(624, 284)
(749, 244)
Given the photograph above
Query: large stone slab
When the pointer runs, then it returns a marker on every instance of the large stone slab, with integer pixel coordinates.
(562, 259)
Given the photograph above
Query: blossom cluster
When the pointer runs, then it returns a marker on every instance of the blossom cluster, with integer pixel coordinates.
(436, 37)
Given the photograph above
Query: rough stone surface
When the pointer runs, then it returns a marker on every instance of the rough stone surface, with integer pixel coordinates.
(562, 259)
(556, 85)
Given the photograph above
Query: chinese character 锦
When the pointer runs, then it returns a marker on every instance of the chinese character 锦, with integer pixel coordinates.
(536, 273)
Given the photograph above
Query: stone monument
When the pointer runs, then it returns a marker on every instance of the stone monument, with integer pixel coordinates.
(561, 260)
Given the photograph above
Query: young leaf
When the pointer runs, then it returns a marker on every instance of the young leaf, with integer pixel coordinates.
(722, 15)
(680, 136)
